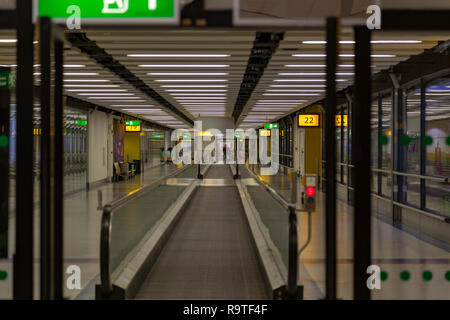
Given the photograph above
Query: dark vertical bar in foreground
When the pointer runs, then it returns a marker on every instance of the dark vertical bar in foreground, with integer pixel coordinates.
(380, 147)
(58, 225)
(423, 148)
(4, 166)
(45, 176)
(23, 258)
(361, 156)
(330, 156)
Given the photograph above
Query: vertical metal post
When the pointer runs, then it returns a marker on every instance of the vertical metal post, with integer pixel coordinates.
(23, 258)
(423, 148)
(380, 147)
(45, 176)
(4, 168)
(330, 156)
(292, 290)
(361, 157)
(401, 150)
(58, 261)
(341, 145)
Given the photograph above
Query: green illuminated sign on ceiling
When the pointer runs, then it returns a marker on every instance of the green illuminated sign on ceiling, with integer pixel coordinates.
(4, 78)
(112, 11)
(271, 126)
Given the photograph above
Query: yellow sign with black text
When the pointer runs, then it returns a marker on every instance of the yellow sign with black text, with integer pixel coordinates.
(309, 120)
(338, 120)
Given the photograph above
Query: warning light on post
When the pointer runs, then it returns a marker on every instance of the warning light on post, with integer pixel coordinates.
(310, 191)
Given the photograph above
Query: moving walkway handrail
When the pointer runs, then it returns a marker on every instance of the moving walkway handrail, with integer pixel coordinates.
(291, 286)
(106, 227)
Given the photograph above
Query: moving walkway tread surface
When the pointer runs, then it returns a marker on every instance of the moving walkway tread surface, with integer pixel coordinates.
(209, 254)
(219, 172)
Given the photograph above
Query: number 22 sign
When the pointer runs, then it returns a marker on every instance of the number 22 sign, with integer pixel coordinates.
(309, 120)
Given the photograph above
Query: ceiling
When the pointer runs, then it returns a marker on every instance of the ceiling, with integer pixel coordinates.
(200, 71)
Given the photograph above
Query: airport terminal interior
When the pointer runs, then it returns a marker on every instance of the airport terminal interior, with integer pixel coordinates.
(278, 150)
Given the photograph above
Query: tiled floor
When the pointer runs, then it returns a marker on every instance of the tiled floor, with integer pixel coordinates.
(81, 229)
(394, 250)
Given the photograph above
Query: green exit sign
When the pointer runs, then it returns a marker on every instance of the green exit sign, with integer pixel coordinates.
(4, 78)
(271, 126)
(95, 12)
(132, 123)
(81, 123)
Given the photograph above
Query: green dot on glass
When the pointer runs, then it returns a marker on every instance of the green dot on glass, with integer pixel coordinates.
(4, 140)
(405, 140)
(383, 139)
(447, 275)
(447, 141)
(404, 275)
(3, 274)
(427, 140)
(427, 275)
(384, 275)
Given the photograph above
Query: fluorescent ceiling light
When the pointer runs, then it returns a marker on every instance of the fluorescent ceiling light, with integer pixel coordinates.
(305, 65)
(373, 41)
(188, 73)
(297, 85)
(202, 103)
(8, 40)
(195, 86)
(177, 55)
(290, 94)
(110, 97)
(184, 65)
(192, 80)
(74, 66)
(309, 55)
(106, 93)
(91, 85)
(205, 90)
(97, 90)
(143, 110)
(80, 73)
(321, 55)
(295, 90)
(133, 105)
(120, 100)
(197, 94)
(313, 73)
(198, 98)
(347, 55)
(86, 80)
(306, 80)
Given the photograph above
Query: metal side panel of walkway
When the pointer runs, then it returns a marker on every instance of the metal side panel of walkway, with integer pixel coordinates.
(209, 254)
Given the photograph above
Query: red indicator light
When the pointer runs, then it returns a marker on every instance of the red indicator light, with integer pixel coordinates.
(310, 191)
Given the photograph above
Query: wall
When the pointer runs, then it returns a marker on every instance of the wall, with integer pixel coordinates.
(98, 130)
(313, 143)
(132, 145)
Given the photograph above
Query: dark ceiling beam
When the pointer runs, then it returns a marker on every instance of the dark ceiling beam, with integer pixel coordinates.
(264, 46)
(89, 47)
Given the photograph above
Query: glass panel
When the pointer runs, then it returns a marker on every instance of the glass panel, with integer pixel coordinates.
(437, 128)
(412, 192)
(134, 220)
(412, 140)
(386, 139)
(438, 197)
(374, 133)
(386, 185)
(374, 188)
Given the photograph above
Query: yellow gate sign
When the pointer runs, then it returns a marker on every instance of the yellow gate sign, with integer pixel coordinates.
(309, 120)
